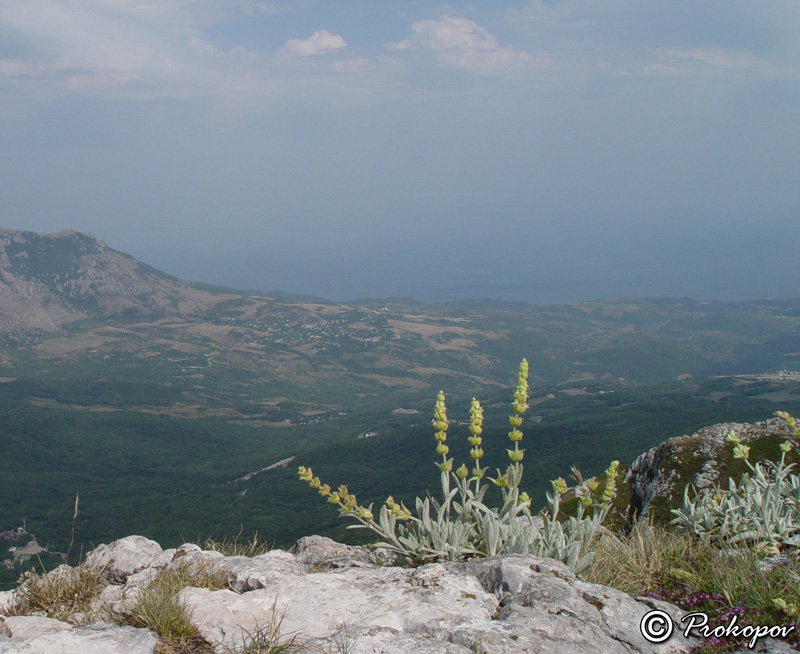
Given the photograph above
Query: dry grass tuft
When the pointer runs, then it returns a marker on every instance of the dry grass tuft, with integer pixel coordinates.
(633, 563)
(64, 593)
(238, 547)
(160, 609)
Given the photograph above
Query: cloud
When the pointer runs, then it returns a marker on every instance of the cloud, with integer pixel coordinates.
(319, 42)
(462, 44)
(678, 59)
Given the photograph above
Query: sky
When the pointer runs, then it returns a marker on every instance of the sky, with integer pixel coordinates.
(543, 150)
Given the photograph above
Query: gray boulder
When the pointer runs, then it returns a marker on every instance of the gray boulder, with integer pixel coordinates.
(124, 557)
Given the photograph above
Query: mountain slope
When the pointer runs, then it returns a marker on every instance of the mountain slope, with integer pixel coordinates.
(49, 280)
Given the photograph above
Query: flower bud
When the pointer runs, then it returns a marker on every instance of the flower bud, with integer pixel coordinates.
(476, 453)
(324, 490)
(786, 446)
(315, 482)
(592, 484)
(515, 435)
(442, 449)
(462, 472)
(501, 481)
(515, 420)
(363, 513)
(559, 485)
(516, 455)
(741, 452)
(732, 438)
(304, 473)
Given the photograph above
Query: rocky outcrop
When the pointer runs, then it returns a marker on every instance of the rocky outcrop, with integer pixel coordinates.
(658, 477)
(338, 599)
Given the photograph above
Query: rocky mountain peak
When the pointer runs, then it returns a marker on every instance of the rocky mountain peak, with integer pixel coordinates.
(48, 280)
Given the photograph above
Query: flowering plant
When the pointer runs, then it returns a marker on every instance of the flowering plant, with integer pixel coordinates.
(762, 510)
(460, 525)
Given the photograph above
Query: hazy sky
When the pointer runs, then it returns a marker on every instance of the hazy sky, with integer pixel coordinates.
(551, 150)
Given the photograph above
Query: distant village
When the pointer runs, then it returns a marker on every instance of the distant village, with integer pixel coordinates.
(20, 553)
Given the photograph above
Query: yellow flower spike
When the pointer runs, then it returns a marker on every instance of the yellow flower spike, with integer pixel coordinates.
(475, 417)
(786, 446)
(516, 455)
(390, 503)
(446, 466)
(475, 440)
(462, 472)
(611, 482)
(305, 474)
(324, 490)
(515, 420)
(476, 453)
(441, 449)
(342, 490)
(334, 498)
(559, 485)
(592, 484)
(315, 482)
(524, 498)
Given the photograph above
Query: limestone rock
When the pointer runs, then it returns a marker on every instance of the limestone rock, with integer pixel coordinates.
(124, 557)
(246, 574)
(35, 635)
(319, 553)
(513, 604)
(418, 601)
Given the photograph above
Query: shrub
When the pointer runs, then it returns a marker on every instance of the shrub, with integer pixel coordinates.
(762, 511)
(461, 525)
